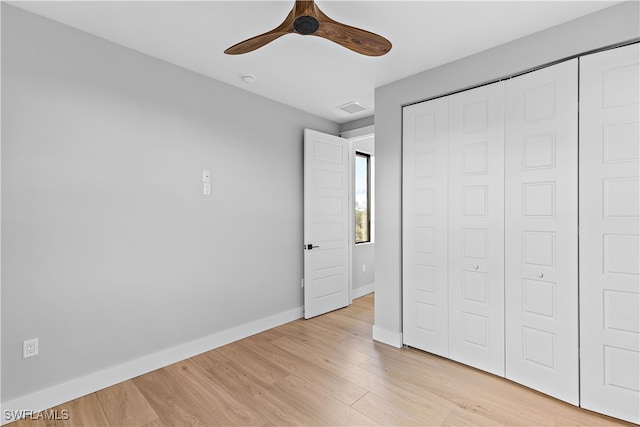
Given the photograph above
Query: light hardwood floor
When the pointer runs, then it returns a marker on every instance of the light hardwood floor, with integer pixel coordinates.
(326, 371)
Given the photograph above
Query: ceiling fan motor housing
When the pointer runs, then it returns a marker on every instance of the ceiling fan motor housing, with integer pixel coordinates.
(306, 25)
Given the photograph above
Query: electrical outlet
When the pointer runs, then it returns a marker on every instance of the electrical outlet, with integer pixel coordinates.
(29, 348)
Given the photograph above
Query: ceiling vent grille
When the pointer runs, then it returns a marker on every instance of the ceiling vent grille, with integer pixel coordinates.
(352, 107)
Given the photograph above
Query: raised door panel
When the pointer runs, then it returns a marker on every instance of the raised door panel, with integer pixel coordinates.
(425, 129)
(610, 233)
(476, 228)
(541, 223)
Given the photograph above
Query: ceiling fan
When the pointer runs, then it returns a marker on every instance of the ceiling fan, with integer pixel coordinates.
(306, 18)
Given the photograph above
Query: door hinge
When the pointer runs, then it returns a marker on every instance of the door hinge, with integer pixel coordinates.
(302, 283)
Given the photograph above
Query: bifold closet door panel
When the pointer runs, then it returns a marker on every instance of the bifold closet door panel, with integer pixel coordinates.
(541, 230)
(609, 233)
(476, 228)
(424, 226)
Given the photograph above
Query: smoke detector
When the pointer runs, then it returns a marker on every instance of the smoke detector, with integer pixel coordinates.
(248, 79)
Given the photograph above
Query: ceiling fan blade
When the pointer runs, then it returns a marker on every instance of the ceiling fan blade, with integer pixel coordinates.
(254, 43)
(360, 41)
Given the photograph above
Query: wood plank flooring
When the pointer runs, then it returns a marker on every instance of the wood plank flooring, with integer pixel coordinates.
(325, 371)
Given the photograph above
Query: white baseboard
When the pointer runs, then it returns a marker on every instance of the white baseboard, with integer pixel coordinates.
(61, 393)
(387, 337)
(362, 291)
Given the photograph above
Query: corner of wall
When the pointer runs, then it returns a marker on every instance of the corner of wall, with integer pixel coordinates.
(362, 291)
(356, 124)
(384, 336)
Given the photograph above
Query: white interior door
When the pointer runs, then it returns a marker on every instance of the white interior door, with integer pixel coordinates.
(326, 223)
(476, 227)
(424, 226)
(609, 233)
(541, 230)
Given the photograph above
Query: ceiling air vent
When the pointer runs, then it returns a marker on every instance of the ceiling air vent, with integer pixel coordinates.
(352, 107)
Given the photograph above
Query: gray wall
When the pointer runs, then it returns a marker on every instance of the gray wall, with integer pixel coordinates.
(109, 249)
(616, 24)
(357, 124)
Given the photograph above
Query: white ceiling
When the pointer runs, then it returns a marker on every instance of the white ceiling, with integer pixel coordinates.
(310, 73)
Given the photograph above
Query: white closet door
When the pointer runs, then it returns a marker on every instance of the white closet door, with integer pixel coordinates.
(424, 232)
(609, 233)
(541, 230)
(476, 228)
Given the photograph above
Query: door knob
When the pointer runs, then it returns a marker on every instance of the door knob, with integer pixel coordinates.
(475, 267)
(540, 275)
(310, 246)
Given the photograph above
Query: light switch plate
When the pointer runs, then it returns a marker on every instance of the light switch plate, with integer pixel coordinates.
(206, 175)
(206, 189)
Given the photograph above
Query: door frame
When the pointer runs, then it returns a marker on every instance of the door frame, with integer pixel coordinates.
(352, 136)
(349, 137)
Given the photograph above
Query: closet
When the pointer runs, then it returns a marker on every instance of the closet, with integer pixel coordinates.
(505, 187)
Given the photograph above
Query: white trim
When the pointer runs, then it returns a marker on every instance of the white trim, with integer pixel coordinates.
(351, 223)
(61, 393)
(387, 337)
(357, 133)
(362, 291)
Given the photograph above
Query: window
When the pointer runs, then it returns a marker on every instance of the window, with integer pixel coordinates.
(363, 205)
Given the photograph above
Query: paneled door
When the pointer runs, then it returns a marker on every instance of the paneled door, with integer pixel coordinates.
(326, 223)
(609, 233)
(541, 230)
(424, 226)
(476, 228)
